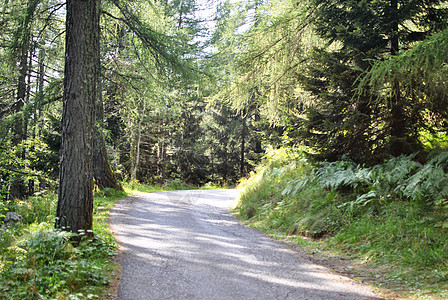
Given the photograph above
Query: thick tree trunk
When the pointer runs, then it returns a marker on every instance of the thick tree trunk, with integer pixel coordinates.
(75, 195)
(102, 172)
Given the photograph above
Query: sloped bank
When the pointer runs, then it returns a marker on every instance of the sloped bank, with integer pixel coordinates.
(390, 219)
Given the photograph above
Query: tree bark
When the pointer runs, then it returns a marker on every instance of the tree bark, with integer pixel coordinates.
(243, 149)
(397, 118)
(18, 188)
(75, 195)
(102, 172)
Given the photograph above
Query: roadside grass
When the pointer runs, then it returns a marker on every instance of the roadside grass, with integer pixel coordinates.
(389, 220)
(170, 185)
(39, 262)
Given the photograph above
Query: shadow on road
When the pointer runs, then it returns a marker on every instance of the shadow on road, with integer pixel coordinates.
(186, 245)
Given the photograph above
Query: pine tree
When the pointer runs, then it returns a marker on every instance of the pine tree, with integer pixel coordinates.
(361, 32)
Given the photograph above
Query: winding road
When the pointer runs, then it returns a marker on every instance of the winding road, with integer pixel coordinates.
(187, 245)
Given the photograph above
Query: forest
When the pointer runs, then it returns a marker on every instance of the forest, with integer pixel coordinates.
(337, 101)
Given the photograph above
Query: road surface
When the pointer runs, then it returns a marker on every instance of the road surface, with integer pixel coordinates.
(186, 245)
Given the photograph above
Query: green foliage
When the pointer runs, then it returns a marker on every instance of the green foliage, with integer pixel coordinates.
(420, 70)
(306, 70)
(434, 140)
(282, 194)
(342, 118)
(393, 214)
(32, 43)
(399, 178)
(45, 264)
(407, 241)
(37, 261)
(169, 185)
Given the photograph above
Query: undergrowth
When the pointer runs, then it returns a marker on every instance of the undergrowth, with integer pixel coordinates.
(392, 215)
(169, 185)
(40, 262)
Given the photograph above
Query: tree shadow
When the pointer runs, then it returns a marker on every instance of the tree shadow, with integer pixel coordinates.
(175, 248)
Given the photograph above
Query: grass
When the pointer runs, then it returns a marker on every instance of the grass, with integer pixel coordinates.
(39, 262)
(169, 185)
(389, 220)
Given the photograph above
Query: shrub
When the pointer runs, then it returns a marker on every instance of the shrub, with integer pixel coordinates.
(39, 262)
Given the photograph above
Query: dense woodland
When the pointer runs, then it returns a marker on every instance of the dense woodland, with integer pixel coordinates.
(94, 94)
(198, 91)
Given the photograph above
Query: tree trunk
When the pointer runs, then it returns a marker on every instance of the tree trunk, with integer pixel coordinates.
(136, 151)
(40, 92)
(243, 149)
(75, 195)
(161, 154)
(397, 119)
(18, 188)
(102, 172)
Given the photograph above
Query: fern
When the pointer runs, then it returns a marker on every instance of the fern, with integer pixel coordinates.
(295, 186)
(343, 174)
(428, 185)
(400, 178)
(439, 158)
(361, 201)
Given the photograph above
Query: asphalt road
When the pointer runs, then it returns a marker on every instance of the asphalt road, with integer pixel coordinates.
(186, 245)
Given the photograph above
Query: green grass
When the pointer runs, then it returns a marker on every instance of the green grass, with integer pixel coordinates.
(390, 218)
(170, 185)
(39, 262)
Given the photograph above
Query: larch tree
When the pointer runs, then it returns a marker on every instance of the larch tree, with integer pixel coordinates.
(75, 194)
(30, 45)
(81, 102)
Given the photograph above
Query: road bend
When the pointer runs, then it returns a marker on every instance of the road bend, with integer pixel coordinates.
(187, 245)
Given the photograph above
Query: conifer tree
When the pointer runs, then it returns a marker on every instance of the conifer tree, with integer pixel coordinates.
(361, 31)
(75, 195)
